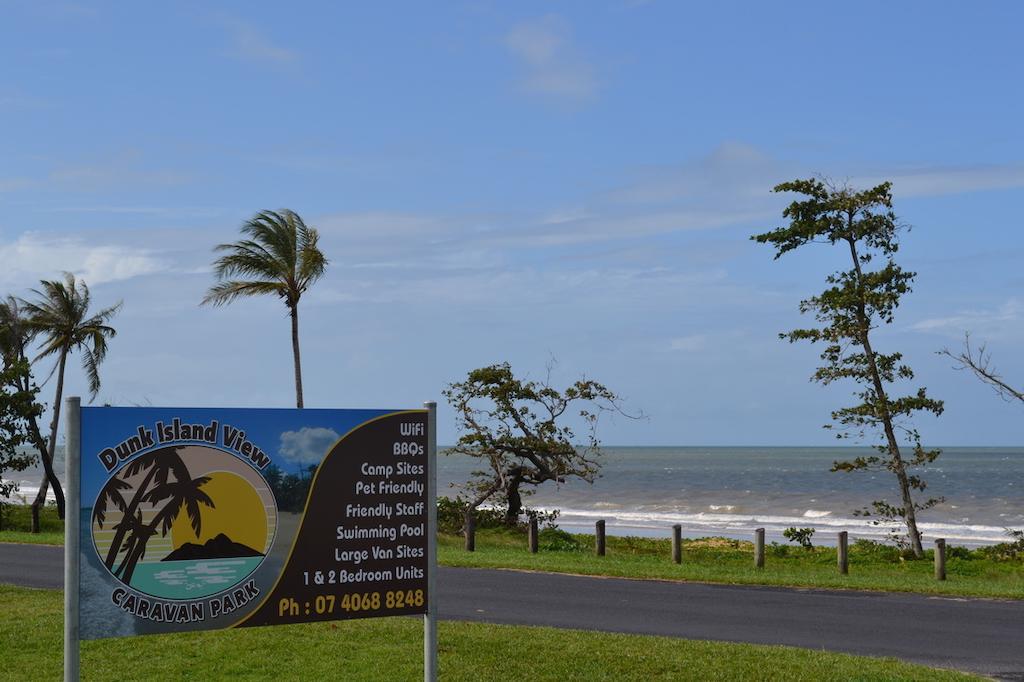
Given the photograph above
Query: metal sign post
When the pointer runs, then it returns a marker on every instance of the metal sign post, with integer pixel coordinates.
(430, 617)
(72, 534)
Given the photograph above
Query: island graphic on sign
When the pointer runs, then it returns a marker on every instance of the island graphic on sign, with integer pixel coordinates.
(184, 522)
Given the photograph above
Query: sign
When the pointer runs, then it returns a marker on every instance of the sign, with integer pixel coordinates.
(198, 519)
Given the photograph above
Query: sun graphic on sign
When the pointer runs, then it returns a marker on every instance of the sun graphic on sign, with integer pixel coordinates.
(243, 521)
(184, 522)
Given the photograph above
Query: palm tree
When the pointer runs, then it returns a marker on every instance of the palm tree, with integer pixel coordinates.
(60, 316)
(15, 337)
(280, 257)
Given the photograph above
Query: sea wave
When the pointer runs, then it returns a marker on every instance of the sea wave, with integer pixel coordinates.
(717, 523)
(26, 493)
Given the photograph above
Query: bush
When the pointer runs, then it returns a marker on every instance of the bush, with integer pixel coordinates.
(958, 552)
(451, 514)
(1005, 551)
(545, 519)
(557, 540)
(877, 550)
(801, 536)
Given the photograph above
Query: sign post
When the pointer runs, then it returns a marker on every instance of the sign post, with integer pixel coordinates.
(72, 535)
(183, 519)
(430, 617)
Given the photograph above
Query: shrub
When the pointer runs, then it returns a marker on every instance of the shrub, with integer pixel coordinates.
(451, 513)
(557, 540)
(877, 550)
(1005, 551)
(958, 552)
(801, 536)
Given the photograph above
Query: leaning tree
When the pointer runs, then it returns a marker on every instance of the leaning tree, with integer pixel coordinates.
(525, 433)
(18, 411)
(21, 411)
(856, 302)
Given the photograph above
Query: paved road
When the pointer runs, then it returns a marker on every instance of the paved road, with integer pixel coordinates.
(985, 636)
(32, 565)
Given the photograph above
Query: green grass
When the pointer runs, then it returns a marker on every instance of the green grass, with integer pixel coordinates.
(391, 649)
(17, 520)
(872, 566)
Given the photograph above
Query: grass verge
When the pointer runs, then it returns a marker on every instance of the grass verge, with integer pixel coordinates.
(17, 520)
(391, 649)
(716, 560)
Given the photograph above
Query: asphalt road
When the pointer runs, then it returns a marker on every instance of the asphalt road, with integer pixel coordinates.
(979, 635)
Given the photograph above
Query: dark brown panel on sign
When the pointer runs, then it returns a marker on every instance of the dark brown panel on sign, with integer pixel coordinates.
(361, 549)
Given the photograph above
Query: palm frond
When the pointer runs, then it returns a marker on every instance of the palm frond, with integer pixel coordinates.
(280, 256)
(226, 292)
(60, 315)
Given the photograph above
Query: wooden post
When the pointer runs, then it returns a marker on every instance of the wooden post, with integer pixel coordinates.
(470, 532)
(677, 544)
(843, 555)
(759, 548)
(533, 536)
(940, 559)
(599, 537)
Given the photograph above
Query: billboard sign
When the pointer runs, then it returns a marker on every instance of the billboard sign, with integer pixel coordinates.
(198, 519)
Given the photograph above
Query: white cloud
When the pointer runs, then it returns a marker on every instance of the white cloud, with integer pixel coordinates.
(18, 100)
(991, 322)
(693, 342)
(33, 257)
(307, 445)
(176, 211)
(553, 66)
(14, 184)
(930, 182)
(733, 172)
(369, 225)
(117, 171)
(248, 43)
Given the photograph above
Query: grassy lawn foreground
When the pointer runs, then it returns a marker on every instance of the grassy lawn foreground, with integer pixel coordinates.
(391, 649)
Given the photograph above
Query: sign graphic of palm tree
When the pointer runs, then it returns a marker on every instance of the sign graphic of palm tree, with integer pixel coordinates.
(167, 487)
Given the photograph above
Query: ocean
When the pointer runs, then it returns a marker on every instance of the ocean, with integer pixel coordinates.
(731, 491)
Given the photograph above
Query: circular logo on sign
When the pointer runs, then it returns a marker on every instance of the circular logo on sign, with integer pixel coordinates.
(184, 522)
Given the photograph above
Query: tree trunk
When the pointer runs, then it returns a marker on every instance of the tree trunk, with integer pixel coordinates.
(48, 456)
(295, 354)
(898, 466)
(515, 502)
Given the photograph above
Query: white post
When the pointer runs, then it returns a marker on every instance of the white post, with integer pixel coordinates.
(72, 532)
(430, 617)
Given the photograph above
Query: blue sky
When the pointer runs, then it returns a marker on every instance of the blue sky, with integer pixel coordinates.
(520, 182)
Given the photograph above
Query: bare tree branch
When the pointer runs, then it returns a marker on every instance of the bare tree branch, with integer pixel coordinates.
(980, 363)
